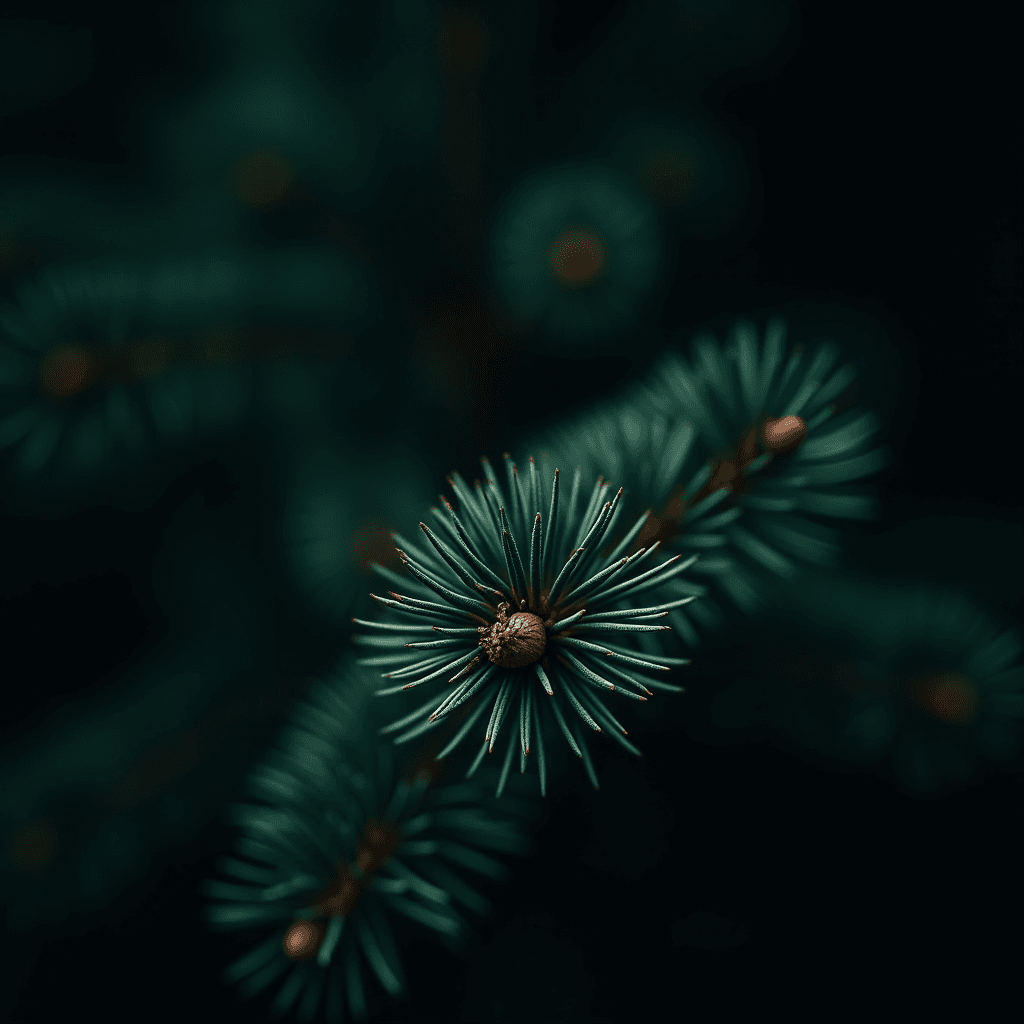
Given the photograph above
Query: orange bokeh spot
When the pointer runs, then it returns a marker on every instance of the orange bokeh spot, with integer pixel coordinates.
(302, 940)
(577, 257)
(947, 696)
(670, 178)
(261, 179)
(67, 370)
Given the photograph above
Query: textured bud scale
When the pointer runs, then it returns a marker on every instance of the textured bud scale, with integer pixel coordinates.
(533, 620)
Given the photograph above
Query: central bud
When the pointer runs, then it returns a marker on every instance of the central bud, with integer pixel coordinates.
(515, 640)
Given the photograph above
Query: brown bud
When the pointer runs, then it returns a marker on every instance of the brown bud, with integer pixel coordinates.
(514, 640)
(784, 434)
(302, 940)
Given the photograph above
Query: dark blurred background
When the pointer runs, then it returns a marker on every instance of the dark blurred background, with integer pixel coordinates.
(157, 625)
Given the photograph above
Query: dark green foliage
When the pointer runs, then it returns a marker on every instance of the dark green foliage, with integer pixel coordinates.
(100, 796)
(650, 453)
(694, 441)
(327, 531)
(338, 846)
(266, 266)
(518, 593)
(50, 218)
(577, 253)
(908, 674)
(730, 394)
(101, 365)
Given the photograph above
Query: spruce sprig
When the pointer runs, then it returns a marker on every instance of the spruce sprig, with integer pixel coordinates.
(535, 619)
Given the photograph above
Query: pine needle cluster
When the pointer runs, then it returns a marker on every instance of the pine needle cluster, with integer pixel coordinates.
(742, 451)
(338, 847)
(534, 620)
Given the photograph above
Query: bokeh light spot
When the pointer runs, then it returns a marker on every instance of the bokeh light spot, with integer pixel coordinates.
(577, 257)
(67, 370)
(947, 696)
